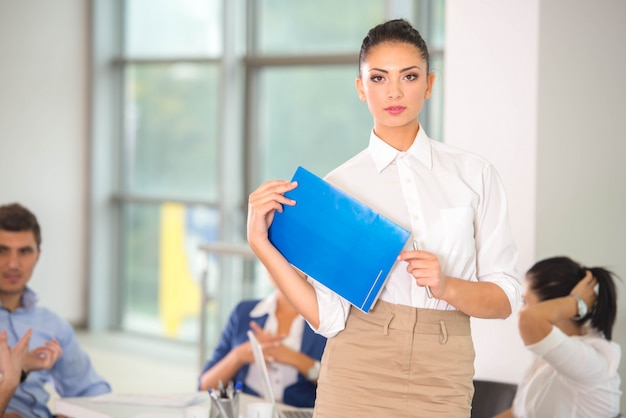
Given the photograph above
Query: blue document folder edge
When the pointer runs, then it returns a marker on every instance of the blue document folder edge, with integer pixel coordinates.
(337, 240)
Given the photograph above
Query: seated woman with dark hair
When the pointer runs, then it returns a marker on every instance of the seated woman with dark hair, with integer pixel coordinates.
(291, 347)
(567, 321)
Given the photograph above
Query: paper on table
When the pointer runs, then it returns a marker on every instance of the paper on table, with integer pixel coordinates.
(174, 401)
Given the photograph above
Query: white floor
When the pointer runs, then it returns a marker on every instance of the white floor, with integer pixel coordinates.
(142, 365)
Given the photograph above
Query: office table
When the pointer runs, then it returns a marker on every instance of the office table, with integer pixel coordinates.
(87, 407)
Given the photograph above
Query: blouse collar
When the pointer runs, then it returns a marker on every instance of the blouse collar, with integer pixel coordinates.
(384, 154)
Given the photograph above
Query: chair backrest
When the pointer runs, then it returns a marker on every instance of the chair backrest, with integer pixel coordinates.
(491, 398)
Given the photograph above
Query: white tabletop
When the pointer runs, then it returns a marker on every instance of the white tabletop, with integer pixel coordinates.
(91, 407)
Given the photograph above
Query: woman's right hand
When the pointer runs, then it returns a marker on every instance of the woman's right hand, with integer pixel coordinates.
(262, 203)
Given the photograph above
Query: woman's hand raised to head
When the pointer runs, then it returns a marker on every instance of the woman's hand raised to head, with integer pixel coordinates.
(262, 204)
(585, 288)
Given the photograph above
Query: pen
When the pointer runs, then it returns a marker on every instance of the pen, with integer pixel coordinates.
(216, 402)
(230, 390)
(428, 291)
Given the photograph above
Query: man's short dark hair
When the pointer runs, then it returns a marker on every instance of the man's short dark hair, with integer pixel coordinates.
(16, 218)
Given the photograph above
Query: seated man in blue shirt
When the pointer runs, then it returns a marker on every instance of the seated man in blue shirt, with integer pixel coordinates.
(72, 373)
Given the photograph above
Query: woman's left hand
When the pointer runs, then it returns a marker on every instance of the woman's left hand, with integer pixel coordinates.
(585, 288)
(426, 270)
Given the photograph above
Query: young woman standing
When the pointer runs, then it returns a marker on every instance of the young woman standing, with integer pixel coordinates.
(411, 355)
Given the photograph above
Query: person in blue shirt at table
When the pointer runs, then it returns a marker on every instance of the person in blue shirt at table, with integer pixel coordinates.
(58, 358)
(290, 346)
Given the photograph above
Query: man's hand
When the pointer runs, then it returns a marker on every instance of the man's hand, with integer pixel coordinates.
(11, 364)
(44, 357)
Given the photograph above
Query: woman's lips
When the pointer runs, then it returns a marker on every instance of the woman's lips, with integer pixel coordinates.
(395, 110)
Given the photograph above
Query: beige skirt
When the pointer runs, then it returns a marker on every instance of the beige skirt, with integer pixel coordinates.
(398, 361)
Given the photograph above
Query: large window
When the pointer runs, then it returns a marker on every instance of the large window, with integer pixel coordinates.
(196, 102)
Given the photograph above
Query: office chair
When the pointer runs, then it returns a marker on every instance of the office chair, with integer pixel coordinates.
(491, 398)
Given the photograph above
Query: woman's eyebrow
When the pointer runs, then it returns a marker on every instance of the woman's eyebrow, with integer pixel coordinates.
(402, 70)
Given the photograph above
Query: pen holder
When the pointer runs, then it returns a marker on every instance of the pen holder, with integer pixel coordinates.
(225, 407)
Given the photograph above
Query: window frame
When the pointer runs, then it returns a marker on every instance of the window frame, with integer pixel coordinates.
(237, 148)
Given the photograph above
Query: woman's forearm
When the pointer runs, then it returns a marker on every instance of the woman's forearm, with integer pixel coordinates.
(224, 371)
(536, 321)
(291, 282)
(477, 299)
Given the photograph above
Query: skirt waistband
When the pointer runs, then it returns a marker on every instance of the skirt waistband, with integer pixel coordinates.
(417, 320)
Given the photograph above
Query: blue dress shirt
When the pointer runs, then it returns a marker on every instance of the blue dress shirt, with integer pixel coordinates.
(72, 375)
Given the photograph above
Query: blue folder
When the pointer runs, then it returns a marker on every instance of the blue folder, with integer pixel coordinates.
(337, 240)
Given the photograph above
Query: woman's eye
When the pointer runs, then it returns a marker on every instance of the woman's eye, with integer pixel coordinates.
(376, 78)
(411, 77)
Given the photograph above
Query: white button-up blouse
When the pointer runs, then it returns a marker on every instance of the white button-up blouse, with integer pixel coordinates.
(454, 204)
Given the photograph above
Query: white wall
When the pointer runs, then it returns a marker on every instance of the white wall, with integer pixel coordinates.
(537, 87)
(581, 192)
(490, 104)
(43, 137)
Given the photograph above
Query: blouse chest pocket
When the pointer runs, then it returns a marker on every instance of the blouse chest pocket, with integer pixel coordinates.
(458, 230)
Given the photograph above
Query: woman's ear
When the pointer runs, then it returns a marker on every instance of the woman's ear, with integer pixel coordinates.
(359, 89)
(431, 82)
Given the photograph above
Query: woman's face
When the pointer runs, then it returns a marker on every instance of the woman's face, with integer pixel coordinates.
(394, 82)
